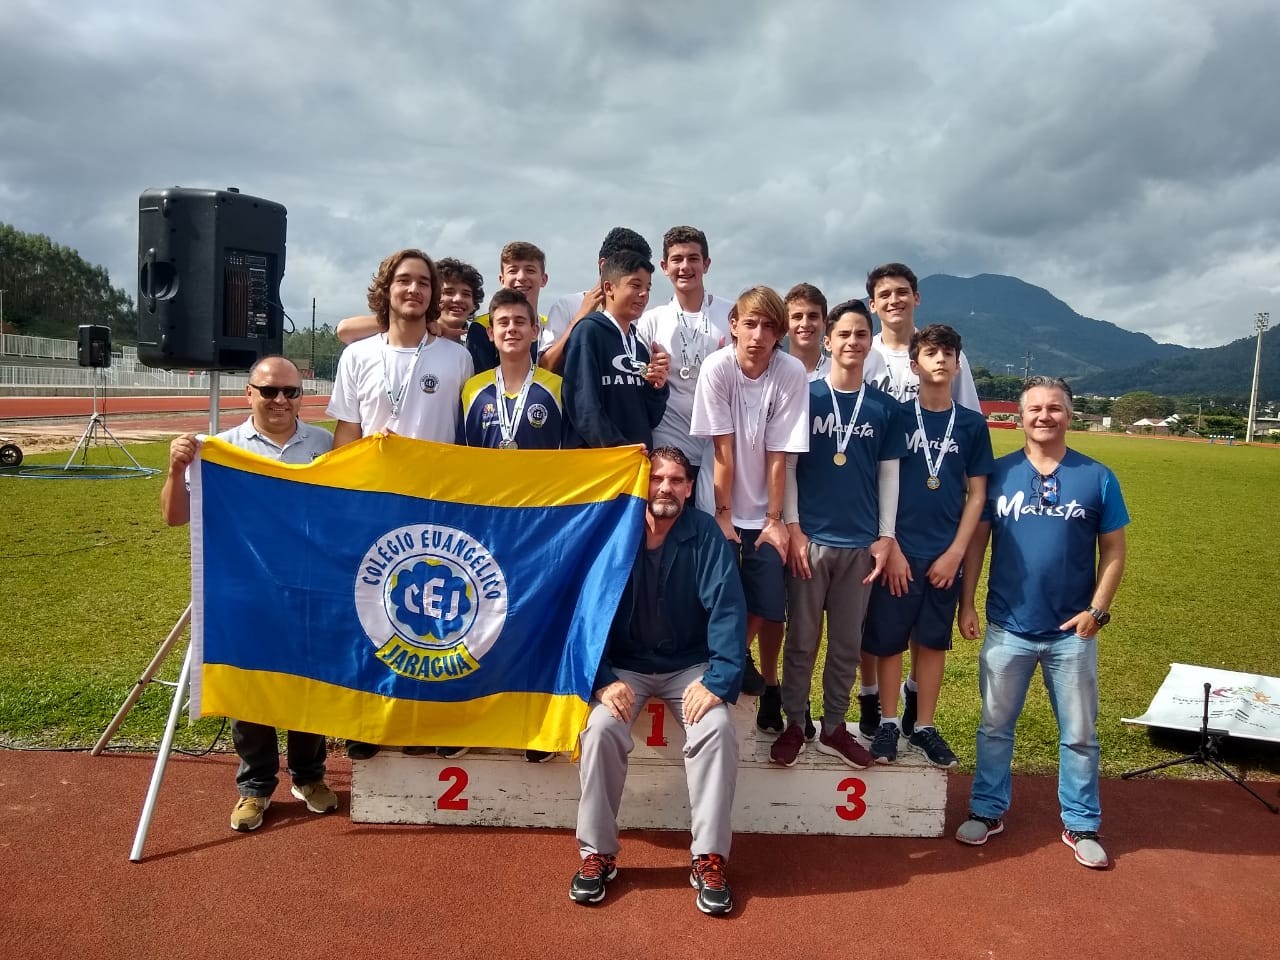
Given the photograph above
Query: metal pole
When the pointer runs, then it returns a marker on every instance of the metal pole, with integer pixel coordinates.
(1260, 322)
(313, 336)
(162, 759)
(147, 677)
(4, 347)
(215, 399)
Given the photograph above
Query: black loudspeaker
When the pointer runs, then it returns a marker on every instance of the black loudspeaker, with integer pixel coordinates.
(210, 264)
(94, 349)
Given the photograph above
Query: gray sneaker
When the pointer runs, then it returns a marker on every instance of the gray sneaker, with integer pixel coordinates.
(977, 830)
(1089, 852)
(884, 748)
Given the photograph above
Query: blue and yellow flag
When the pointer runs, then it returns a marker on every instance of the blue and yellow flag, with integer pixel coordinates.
(403, 592)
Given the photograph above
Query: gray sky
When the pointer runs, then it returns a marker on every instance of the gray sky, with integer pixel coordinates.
(1124, 155)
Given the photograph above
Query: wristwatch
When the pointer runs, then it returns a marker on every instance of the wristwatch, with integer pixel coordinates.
(1102, 616)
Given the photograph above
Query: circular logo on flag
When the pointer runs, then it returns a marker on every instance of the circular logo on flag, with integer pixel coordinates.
(432, 599)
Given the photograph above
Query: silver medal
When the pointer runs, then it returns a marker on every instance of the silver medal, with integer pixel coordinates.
(507, 445)
(685, 373)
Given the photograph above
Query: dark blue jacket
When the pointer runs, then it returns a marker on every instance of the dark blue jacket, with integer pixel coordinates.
(607, 404)
(700, 595)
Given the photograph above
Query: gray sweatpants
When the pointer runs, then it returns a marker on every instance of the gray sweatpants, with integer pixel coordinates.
(710, 765)
(836, 587)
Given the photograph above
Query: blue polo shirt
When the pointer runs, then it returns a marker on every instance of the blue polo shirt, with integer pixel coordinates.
(1044, 558)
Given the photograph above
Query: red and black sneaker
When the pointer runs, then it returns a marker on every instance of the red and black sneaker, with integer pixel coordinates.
(590, 880)
(707, 877)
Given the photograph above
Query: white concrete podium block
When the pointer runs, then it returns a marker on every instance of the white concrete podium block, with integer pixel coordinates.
(819, 795)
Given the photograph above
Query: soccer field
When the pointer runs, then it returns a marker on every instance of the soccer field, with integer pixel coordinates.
(91, 581)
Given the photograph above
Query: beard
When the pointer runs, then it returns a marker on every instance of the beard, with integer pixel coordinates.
(665, 508)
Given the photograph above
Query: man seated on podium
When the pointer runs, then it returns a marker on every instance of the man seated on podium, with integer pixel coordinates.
(273, 430)
(678, 635)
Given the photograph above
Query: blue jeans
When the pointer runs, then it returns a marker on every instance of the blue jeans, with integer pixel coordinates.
(1070, 669)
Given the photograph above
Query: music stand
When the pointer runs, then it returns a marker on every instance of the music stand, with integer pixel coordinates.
(1206, 754)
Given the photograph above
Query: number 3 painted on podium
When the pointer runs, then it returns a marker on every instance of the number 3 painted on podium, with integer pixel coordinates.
(853, 806)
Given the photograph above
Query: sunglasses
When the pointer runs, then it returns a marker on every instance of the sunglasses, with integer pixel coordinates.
(270, 393)
(1046, 489)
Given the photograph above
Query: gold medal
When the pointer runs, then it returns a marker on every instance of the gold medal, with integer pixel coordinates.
(839, 459)
(933, 483)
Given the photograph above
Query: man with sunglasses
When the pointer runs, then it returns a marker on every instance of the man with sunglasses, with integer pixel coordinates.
(272, 430)
(1056, 520)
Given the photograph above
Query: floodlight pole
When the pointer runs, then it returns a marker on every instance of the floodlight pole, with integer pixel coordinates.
(4, 347)
(1260, 322)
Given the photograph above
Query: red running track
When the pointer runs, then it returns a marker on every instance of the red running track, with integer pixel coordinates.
(12, 408)
(1196, 864)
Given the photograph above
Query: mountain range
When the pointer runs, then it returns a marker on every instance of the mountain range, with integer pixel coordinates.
(1002, 319)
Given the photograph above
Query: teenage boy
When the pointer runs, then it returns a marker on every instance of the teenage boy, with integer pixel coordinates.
(404, 380)
(806, 324)
(461, 291)
(516, 405)
(1056, 523)
(692, 326)
(841, 498)
(943, 480)
(615, 385)
(752, 400)
(894, 294)
(522, 266)
(566, 312)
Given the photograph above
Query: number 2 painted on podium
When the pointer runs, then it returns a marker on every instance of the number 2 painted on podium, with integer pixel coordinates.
(853, 806)
(657, 718)
(450, 799)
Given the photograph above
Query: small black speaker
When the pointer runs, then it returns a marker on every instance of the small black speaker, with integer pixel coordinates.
(210, 264)
(94, 348)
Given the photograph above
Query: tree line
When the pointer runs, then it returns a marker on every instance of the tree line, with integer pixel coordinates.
(50, 290)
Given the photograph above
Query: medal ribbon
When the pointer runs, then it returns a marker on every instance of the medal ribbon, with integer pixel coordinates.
(842, 434)
(508, 424)
(396, 397)
(934, 468)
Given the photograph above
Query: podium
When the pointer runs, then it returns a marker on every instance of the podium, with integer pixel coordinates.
(499, 788)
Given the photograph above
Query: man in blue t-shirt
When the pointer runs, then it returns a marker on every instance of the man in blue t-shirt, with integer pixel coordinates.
(1050, 513)
(839, 503)
(943, 480)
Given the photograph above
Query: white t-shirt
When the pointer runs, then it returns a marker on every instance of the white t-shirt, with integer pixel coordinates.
(428, 383)
(768, 414)
(890, 371)
(558, 318)
(690, 338)
(821, 370)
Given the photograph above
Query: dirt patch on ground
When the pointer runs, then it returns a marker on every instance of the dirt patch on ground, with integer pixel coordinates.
(64, 437)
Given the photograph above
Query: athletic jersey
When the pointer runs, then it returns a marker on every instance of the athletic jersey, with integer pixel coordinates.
(819, 371)
(769, 413)
(541, 420)
(890, 371)
(429, 383)
(1043, 556)
(484, 355)
(928, 519)
(839, 504)
(690, 338)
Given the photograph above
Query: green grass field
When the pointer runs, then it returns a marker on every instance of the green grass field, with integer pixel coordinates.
(91, 581)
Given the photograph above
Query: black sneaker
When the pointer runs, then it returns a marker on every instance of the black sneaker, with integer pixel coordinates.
(884, 746)
(908, 710)
(810, 731)
(589, 882)
(451, 753)
(412, 751)
(707, 877)
(769, 711)
(539, 756)
(928, 742)
(753, 684)
(359, 750)
(869, 715)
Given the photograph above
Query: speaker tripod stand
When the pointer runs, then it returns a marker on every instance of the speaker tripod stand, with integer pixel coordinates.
(93, 431)
(1206, 754)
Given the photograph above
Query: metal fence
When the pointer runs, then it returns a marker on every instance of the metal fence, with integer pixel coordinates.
(126, 371)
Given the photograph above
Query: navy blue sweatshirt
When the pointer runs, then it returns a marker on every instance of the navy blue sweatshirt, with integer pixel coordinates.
(606, 402)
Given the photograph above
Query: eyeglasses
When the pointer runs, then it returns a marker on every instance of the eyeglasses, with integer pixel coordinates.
(270, 393)
(1046, 488)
